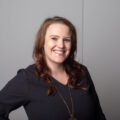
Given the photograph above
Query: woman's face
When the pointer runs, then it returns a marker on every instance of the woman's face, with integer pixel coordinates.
(57, 44)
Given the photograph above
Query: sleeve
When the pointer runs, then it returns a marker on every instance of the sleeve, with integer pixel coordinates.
(14, 94)
(99, 113)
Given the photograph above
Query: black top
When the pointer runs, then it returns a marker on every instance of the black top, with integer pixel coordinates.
(26, 90)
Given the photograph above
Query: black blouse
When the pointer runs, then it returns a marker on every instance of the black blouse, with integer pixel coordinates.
(27, 91)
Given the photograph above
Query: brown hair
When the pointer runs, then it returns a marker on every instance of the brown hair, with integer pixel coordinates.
(77, 77)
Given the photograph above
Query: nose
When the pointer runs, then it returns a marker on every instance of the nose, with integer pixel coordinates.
(61, 43)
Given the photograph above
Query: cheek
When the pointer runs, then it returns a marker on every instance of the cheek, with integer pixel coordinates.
(49, 45)
(68, 46)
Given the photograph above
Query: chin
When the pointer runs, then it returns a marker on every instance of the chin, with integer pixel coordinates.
(59, 61)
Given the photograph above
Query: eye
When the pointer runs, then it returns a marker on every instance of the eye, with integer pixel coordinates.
(67, 40)
(54, 38)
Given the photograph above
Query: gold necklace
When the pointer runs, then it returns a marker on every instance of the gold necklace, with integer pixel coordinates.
(72, 117)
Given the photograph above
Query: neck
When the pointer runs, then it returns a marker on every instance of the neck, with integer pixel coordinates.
(56, 68)
(58, 72)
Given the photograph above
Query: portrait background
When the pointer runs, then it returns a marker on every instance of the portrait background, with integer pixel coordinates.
(98, 29)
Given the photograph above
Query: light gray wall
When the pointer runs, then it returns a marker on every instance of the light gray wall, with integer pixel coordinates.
(98, 27)
(101, 51)
(19, 23)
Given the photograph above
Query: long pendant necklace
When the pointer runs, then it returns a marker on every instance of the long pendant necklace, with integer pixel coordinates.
(72, 117)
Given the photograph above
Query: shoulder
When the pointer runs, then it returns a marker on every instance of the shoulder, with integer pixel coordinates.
(81, 66)
(19, 83)
(85, 68)
(22, 76)
(28, 71)
(29, 68)
(87, 73)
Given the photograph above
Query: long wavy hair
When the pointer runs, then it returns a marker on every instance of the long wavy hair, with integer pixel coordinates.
(77, 77)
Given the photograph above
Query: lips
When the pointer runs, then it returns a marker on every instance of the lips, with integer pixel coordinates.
(59, 52)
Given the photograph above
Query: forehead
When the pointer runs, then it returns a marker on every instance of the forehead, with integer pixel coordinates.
(58, 29)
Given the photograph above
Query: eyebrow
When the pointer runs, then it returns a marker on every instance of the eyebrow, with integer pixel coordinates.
(58, 36)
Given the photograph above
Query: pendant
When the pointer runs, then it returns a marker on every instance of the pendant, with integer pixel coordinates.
(72, 117)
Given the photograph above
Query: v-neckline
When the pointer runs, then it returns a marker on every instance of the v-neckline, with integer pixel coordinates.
(58, 82)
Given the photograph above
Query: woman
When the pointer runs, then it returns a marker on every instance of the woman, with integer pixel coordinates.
(56, 87)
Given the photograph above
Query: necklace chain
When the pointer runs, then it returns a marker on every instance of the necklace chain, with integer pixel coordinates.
(61, 96)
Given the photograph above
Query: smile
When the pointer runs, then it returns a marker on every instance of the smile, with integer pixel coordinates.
(60, 53)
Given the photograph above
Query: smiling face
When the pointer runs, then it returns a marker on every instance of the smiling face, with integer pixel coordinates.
(57, 43)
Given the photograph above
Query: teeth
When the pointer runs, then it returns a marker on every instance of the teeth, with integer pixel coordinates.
(59, 52)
